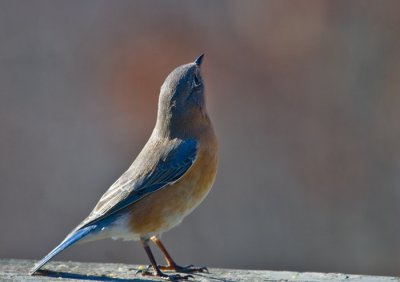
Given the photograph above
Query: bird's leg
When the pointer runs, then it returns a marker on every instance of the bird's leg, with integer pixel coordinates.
(156, 270)
(171, 265)
(170, 262)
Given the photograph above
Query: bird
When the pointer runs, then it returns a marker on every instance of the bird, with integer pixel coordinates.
(169, 178)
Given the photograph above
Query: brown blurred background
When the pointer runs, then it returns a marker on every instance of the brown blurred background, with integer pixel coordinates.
(304, 96)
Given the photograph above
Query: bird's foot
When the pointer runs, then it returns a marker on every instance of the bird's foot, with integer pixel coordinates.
(144, 270)
(185, 269)
(173, 277)
(148, 271)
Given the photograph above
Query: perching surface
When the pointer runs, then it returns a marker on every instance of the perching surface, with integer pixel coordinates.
(17, 270)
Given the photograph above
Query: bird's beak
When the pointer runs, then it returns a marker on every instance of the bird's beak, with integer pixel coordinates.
(199, 60)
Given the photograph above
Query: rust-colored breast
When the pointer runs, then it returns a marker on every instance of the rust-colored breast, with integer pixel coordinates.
(166, 208)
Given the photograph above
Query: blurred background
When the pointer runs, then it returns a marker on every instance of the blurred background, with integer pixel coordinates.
(305, 100)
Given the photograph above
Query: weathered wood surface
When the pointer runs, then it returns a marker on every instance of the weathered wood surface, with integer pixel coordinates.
(17, 270)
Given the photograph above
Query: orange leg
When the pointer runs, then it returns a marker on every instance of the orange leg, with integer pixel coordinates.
(171, 265)
(157, 272)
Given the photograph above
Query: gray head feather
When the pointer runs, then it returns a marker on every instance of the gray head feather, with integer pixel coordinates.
(181, 100)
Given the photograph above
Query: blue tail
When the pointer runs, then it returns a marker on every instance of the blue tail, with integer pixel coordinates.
(71, 239)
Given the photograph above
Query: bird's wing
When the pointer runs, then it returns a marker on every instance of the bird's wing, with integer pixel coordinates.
(157, 166)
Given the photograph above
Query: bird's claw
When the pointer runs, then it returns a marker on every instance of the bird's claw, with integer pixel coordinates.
(185, 269)
(191, 269)
(148, 271)
(144, 270)
(203, 269)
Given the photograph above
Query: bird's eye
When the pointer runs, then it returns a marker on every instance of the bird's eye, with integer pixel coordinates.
(196, 81)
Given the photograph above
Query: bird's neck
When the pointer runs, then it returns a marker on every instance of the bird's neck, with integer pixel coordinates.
(190, 126)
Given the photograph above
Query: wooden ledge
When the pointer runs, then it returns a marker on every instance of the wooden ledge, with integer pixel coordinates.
(17, 270)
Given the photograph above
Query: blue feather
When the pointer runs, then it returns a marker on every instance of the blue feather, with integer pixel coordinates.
(71, 239)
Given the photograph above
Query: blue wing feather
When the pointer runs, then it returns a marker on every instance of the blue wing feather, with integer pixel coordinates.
(71, 239)
(177, 161)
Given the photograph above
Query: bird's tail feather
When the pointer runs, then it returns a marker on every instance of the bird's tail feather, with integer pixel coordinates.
(71, 239)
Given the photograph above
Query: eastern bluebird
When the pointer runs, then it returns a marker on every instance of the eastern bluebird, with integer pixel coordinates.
(169, 178)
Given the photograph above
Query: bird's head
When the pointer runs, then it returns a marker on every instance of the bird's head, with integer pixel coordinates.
(181, 103)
